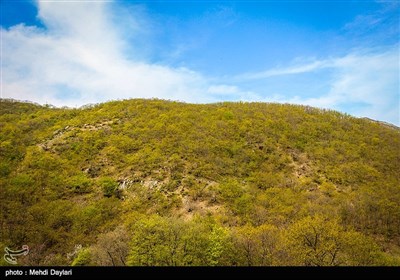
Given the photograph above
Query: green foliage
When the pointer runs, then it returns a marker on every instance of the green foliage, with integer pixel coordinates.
(318, 241)
(154, 242)
(79, 184)
(314, 241)
(108, 186)
(152, 182)
(84, 258)
(231, 190)
(165, 242)
(4, 169)
(218, 243)
(257, 246)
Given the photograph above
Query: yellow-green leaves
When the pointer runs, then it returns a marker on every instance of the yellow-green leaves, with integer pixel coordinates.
(198, 184)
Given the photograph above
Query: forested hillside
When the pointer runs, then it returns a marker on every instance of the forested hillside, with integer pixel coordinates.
(153, 182)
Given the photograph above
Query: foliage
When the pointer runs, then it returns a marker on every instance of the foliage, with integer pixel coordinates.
(84, 258)
(153, 182)
(109, 186)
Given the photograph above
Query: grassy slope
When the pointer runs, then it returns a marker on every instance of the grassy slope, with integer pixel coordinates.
(72, 176)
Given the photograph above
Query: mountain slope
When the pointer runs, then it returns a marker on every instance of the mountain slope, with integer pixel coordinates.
(152, 182)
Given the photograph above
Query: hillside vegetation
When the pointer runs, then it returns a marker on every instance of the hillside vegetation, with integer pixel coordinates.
(152, 182)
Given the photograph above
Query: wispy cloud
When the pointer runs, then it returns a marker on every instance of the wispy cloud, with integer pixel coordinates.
(294, 69)
(381, 25)
(362, 83)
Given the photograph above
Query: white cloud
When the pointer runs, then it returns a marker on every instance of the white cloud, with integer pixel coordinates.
(78, 59)
(367, 82)
(295, 69)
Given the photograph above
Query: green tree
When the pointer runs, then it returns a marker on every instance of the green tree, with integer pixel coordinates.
(84, 258)
(314, 241)
(218, 246)
(109, 186)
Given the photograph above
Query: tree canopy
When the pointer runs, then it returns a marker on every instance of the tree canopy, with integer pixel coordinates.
(154, 182)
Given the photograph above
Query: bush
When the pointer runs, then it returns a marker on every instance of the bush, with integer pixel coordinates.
(109, 186)
(80, 184)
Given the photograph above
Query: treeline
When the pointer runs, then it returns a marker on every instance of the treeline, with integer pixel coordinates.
(166, 241)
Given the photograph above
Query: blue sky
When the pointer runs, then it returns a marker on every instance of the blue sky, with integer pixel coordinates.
(341, 55)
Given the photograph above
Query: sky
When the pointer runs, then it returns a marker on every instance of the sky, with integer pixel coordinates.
(340, 55)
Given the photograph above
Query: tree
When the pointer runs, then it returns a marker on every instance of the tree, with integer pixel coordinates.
(149, 245)
(84, 258)
(318, 241)
(359, 250)
(256, 246)
(218, 245)
(112, 248)
(314, 241)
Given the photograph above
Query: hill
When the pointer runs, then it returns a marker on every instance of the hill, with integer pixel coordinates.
(153, 182)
